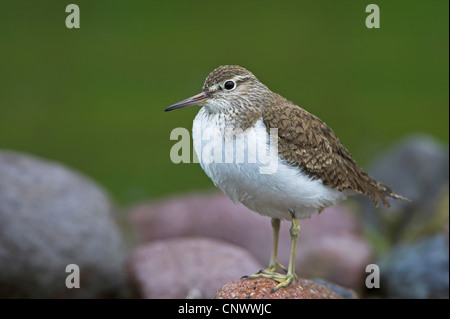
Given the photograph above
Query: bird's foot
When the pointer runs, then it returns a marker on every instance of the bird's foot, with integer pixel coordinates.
(288, 278)
(273, 268)
(269, 273)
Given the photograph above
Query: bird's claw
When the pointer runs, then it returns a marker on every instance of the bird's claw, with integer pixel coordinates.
(282, 279)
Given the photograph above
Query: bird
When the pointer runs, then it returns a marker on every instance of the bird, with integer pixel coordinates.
(273, 156)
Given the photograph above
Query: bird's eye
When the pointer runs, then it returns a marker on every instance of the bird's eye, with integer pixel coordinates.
(229, 85)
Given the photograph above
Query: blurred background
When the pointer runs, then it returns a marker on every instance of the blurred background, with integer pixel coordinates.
(92, 98)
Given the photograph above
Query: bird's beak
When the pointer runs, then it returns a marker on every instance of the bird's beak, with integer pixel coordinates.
(193, 100)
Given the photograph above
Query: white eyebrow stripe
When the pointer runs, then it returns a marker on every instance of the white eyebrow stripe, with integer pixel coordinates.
(214, 87)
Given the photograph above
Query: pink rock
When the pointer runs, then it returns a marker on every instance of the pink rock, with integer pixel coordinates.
(205, 215)
(187, 267)
(341, 259)
(331, 245)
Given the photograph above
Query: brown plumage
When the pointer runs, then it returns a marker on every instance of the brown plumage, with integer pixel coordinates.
(304, 140)
(309, 144)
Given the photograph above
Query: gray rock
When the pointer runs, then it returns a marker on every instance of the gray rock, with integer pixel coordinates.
(51, 217)
(187, 267)
(418, 168)
(342, 291)
(417, 270)
(331, 245)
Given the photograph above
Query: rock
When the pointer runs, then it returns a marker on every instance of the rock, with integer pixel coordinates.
(417, 270)
(333, 248)
(204, 215)
(331, 245)
(187, 267)
(341, 291)
(418, 168)
(261, 288)
(50, 217)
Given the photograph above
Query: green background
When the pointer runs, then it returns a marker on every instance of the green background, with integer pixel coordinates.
(93, 97)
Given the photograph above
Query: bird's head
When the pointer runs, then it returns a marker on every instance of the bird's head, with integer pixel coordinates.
(227, 88)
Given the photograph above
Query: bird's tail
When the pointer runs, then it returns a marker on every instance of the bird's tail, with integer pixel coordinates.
(384, 191)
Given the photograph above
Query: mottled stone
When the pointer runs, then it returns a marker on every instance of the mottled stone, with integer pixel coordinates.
(342, 291)
(261, 288)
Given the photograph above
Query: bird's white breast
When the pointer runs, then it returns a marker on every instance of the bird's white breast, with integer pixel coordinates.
(246, 167)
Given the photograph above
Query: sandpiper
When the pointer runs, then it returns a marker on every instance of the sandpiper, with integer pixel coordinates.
(314, 170)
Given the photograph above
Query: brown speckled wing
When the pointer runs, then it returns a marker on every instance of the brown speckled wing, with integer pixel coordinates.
(308, 143)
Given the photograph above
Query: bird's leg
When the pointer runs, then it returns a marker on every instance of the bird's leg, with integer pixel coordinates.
(270, 273)
(274, 264)
(295, 232)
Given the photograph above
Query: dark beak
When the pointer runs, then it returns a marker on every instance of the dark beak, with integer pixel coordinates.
(193, 100)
